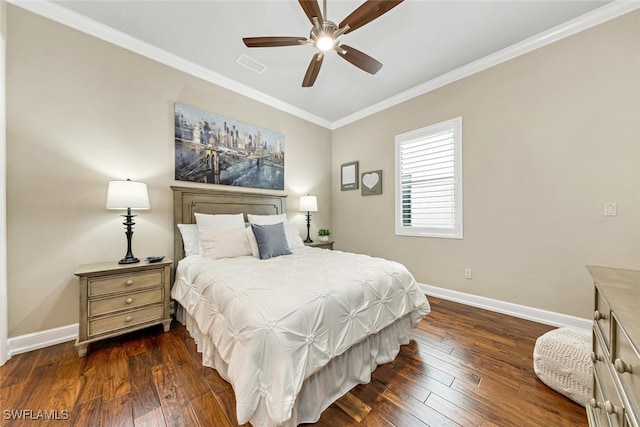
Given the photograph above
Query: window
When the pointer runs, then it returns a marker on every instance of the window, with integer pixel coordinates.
(429, 181)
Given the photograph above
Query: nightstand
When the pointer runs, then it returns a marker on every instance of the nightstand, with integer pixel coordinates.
(120, 298)
(322, 245)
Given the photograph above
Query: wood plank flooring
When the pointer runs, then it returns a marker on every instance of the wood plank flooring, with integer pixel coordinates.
(464, 367)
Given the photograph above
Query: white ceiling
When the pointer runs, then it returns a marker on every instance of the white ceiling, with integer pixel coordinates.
(417, 42)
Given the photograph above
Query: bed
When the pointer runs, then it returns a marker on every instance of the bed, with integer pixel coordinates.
(292, 333)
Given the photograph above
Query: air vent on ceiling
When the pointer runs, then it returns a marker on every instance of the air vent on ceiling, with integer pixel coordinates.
(250, 63)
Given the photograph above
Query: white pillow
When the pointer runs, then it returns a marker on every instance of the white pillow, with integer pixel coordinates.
(224, 243)
(219, 222)
(291, 231)
(253, 243)
(267, 219)
(293, 236)
(190, 239)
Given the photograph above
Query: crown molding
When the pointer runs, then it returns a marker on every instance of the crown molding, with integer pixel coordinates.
(598, 16)
(64, 16)
(69, 18)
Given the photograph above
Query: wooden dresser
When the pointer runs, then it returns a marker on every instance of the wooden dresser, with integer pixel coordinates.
(616, 348)
(116, 299)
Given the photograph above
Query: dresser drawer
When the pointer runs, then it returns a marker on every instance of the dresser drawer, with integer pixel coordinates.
(602, 317)
(125, 320)
(124, 282)
(611, 403)
(600, 355)
(626, 362)
(616, 347)
(122, 302)
(595, 410)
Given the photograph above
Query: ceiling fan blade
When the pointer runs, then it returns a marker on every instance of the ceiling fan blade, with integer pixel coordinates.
(367, 12)
(273, 41)
(359, 59)
(313, 70)
(311, 9)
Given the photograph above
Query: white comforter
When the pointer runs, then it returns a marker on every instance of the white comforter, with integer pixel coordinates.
(275, 322)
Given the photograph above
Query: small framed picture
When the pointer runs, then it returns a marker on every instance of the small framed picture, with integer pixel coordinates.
(371, 183)
(349, 176)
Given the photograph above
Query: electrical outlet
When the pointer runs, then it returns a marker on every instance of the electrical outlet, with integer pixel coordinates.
(610, 209)
(467, 273)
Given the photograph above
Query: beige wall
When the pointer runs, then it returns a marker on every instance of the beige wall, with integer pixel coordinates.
(547, 139)
(82, 112)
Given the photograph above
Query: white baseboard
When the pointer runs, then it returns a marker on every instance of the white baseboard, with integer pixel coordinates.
(42, 339)
(516, 310)
(37, 340)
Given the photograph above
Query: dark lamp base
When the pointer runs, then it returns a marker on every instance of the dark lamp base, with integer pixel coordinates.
(128, 224)
(308, 239)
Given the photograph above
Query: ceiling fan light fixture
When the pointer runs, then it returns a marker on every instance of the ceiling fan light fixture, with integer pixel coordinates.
(326, 35)
(325, 43)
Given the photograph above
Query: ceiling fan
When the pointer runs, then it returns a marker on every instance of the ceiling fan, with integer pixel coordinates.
(325, 35)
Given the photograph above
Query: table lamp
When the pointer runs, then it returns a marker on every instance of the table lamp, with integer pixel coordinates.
(128, 195)
(308, 204)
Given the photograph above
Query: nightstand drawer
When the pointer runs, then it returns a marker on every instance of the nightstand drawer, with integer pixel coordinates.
(116, 299)
(122, 302)
(124, 320)
(125, 282)
(626, 362)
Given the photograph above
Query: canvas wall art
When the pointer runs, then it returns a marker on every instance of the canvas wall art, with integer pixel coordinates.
(214, 149)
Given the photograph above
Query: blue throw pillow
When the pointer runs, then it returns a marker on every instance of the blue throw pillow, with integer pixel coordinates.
(272, 240)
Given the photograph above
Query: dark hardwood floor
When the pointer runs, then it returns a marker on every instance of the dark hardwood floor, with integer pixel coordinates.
(464, 367)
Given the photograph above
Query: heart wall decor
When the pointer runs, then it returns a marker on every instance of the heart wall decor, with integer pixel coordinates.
(371, 183)
(370, 179)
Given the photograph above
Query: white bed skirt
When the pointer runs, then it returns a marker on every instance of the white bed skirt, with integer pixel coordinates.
(325, 386)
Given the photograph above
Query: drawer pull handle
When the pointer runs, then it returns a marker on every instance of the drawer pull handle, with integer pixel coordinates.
(621, 366)
(128, 319)
(610, 408)
(129, 300)
(129, 282)
(594, 403)
(595, 357)
(598, 316)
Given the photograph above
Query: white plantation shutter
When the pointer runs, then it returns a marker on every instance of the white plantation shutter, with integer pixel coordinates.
(429, 181)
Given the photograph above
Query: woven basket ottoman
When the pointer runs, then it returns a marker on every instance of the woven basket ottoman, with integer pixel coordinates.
(562, 360)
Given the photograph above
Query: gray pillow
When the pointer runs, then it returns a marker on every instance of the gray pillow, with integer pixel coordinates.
(272, 240)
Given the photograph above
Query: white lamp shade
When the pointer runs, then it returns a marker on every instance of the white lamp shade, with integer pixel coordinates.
(308, 204)
(127, 194)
